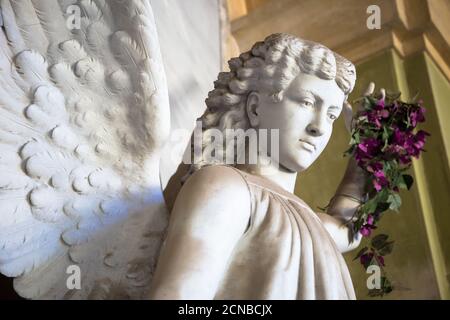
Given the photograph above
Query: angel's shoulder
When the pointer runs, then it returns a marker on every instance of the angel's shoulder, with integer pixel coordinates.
(216, 178)
(215, 186)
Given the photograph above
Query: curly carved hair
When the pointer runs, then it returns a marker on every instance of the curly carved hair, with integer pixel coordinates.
(270, 65)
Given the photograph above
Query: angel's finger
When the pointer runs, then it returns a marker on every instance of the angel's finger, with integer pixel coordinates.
(348, 115)
(370, 89)
(382, 93)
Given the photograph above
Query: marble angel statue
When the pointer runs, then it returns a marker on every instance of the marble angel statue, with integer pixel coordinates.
(84, 113)
(236, 230)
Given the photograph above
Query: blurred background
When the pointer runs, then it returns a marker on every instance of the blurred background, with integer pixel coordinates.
(408, 53)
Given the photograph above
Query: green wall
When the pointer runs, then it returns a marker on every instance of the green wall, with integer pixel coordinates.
(419, 263)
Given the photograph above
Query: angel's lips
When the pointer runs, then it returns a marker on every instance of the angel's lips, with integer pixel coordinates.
(307, 145)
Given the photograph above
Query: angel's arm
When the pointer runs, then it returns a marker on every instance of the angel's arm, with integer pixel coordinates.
(209, 216)
(342, 207)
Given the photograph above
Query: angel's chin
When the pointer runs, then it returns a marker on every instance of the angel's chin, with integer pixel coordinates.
(298, 165)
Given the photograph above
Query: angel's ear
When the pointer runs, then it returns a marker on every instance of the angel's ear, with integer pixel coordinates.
(252, 105)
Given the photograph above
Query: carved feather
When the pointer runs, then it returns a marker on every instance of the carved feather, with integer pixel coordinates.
(83, 115)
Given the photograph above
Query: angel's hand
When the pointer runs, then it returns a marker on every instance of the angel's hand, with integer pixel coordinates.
(348, 110)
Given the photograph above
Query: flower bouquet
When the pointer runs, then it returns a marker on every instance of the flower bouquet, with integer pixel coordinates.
(383, 142)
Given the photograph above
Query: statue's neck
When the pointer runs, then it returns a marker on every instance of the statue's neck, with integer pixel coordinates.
(272, 171)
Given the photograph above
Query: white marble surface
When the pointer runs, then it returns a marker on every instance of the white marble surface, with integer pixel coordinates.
(189, 36)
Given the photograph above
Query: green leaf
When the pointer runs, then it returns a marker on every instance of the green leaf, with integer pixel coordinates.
(386, 284)
(349, 151)
(382, 196)
(386, 287)
(385, 135)
(365, 102)
(409, 180)
(376, 293)
(357, 226)
(382, 206)
(386, 248)
(370, 206)
(395, 201)
(361, 252)
(372, 101)
(379, 240)
(400, 182)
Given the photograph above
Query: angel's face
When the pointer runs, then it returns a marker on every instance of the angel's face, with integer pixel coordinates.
(304, 118)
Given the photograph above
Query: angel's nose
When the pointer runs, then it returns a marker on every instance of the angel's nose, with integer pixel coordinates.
(316, 127)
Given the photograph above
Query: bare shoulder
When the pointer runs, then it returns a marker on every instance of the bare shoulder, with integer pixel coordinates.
(215, 192)
(219, 182)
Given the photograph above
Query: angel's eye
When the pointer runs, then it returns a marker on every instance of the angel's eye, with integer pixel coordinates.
(307, 103)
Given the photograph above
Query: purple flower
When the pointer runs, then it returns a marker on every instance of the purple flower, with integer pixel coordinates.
(365, 231)
(414, 144)
(380, 260)
(377, 114)
(367, 149)
(419, 139)
(380, 180)
(395, 149)
(399, 137)
(374, 166)
(409, 145)
(417, 115)
(419, 144)
(394, 107)
(366, 258)
(405, 144)
(405, 159)
(377, 185)
(380, 175)
(367, 228)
